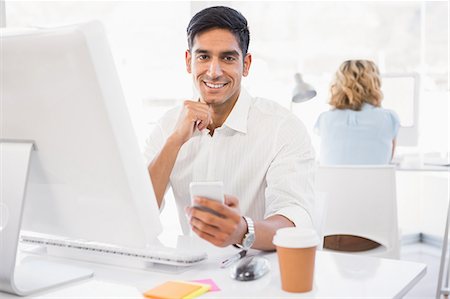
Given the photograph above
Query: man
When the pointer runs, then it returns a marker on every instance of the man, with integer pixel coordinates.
(259, 150)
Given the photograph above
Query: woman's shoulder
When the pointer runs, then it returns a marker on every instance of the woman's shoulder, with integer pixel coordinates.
(391, 113)
(334, 113)
(328, 117)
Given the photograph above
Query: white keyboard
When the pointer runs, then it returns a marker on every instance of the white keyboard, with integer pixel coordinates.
(115, 255)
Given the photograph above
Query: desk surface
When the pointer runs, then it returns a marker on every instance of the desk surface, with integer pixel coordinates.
(336, 275)
(423, 167)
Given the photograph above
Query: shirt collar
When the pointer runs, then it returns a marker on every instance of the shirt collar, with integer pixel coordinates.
(237, 119)
(367, 106)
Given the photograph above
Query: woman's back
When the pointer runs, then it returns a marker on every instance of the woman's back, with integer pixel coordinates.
(357, 137)
(356, 131)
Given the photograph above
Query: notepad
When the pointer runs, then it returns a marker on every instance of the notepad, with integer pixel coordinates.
(210, 282)
(177, 290)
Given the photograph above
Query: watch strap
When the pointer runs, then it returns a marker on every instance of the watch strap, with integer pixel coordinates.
(250, 225)
(250, 233)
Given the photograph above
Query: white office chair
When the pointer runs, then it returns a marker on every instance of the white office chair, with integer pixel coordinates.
(319, 216)
(361, 201)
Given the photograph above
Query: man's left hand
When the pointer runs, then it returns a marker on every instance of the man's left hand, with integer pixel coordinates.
(227, 228)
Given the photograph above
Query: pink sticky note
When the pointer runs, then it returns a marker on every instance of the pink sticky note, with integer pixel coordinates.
(209, 281)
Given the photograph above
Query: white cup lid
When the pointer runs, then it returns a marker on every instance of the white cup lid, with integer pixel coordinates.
(296, 237)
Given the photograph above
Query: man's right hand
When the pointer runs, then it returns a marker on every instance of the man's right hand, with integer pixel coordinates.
(193, 115)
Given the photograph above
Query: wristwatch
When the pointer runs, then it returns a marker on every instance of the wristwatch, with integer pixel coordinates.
(249, 237)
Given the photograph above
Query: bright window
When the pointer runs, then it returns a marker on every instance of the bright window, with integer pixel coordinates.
(148, 40)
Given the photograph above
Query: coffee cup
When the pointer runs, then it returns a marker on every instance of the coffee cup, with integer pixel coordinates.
(296, 250)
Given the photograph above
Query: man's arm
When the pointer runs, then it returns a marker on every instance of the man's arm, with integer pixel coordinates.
(289, 195)
(161, 167)
(230, 227)
(193, 115)
(266, 229)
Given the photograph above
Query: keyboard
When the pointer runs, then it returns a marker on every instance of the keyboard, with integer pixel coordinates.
(115, 255)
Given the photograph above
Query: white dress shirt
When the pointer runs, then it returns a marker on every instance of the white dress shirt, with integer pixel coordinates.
(262, 153)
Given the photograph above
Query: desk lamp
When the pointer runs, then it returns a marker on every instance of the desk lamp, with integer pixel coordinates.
(302, 91)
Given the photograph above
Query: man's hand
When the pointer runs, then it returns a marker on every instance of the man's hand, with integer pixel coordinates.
(193, 115)
(226, 229)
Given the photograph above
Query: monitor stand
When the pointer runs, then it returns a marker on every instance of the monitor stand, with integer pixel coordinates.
(29, 276)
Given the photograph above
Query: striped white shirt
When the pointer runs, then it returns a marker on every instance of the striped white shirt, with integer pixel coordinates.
(262, 153)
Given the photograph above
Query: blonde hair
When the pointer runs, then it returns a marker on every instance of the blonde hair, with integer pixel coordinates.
(355, 83)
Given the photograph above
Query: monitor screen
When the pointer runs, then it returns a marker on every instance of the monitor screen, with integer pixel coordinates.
(401, 94)
(87, 177)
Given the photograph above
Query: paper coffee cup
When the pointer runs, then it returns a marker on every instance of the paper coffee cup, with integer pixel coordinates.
(296, 250)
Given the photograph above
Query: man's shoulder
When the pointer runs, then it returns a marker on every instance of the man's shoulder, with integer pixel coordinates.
(270, 114)
(269, 108)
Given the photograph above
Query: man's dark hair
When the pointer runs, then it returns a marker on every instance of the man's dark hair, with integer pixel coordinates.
(220, 17)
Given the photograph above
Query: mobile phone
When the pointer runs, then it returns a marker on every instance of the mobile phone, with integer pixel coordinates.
(210, 190)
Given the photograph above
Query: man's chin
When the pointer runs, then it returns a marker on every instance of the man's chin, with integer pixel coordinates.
(211, 100)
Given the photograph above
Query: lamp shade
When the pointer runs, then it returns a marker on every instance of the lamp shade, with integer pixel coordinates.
(302, 91)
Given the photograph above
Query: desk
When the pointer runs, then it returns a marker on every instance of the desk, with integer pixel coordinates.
(336, 276)
(423, 167)
(422, 196)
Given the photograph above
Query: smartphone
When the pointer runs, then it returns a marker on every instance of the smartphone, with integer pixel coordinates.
(210, 190)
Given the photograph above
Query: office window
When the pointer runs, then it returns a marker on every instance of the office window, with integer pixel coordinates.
(148, 41)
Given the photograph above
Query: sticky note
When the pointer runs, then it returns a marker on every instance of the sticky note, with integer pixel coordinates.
(177, 290)
(210, 282)
(203, 289)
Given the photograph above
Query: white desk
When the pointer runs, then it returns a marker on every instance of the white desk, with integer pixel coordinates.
(336, 276)
(422, 199)
(423, 167)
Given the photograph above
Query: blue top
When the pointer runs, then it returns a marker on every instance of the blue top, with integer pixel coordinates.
(357, 137)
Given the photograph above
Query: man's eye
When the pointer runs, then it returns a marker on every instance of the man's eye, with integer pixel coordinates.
(229, 58)
(202, 57)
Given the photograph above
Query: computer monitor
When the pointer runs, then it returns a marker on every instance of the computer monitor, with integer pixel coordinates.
(87, 179)
(401, 94)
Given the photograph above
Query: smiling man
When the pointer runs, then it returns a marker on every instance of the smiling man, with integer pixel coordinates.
(260, 151)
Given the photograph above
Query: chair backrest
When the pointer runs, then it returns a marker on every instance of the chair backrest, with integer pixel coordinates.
(361, 201)
(320, 210)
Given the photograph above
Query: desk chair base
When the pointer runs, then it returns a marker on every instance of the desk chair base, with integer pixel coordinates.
(29, 276)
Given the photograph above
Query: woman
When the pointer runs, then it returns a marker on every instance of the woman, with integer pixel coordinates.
(357, 130)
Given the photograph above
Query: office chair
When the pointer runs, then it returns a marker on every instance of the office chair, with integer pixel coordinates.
(361, 201)
(320, 205)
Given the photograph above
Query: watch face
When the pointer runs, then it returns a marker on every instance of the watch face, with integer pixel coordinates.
(248, 240)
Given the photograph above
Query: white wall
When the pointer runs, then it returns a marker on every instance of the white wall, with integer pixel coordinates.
(148, 42)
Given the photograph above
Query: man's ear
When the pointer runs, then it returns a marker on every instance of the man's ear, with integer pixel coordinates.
(188, 59)
(247, 63)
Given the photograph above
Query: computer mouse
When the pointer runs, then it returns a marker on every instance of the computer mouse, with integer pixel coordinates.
(250, 268)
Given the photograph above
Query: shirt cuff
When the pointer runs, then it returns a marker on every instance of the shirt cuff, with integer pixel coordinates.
(299, 216)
